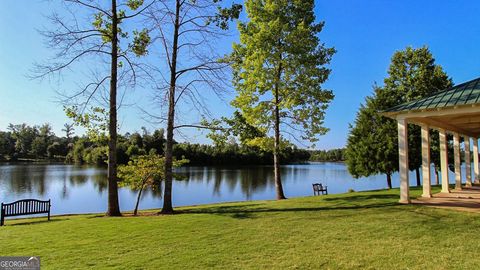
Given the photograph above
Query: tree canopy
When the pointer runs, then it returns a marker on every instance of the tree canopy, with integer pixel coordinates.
(372, 146)
(279, 67)
(145, 171)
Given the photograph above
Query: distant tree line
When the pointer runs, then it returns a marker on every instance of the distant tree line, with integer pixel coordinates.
(328, 155)
(235, 154)
(31, 142)
(24, 142)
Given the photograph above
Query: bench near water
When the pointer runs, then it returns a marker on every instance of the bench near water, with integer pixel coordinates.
(319, 188)
(23, 208)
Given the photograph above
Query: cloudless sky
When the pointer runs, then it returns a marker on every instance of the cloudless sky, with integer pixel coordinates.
(365, 33)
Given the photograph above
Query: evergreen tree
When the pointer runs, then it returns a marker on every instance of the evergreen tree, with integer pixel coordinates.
(372, 143)
(372, 147)
(413, 74)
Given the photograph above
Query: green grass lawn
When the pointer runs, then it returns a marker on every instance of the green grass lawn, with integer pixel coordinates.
(348, 231)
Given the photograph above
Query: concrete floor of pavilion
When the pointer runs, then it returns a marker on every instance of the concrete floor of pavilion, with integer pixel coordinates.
(467, 199)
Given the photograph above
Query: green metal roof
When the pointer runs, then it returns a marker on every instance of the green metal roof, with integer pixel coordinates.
(463, 94)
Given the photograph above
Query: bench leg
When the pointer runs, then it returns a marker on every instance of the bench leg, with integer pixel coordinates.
(49, 208)
(1, 221)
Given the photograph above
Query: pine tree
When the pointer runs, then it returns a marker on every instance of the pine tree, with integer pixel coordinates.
(372, 146)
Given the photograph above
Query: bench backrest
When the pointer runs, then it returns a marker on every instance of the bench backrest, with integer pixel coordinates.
(25, 207)
(317, 187)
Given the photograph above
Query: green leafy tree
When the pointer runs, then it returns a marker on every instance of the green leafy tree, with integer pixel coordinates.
(328, 155)
(95, 122)
(413, 74)
(144, 171)
(41, 142)
(23, 135)
(278, 69)
(230, 129)
(55, 149)
(372, 144)
(77, 152)
(7, 145)
(39, 147)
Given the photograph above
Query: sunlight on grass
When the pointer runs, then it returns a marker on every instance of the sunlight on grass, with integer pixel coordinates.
(348, 231)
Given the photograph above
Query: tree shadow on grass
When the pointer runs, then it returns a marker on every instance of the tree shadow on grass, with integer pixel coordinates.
(357, 202)
(99, 216)
(29, 221)
(367, 198)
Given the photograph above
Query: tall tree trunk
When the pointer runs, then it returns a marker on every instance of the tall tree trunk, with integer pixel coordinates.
(113, 205)
(437, 178)
(276, 151)
(167, 196)
(417, 173)
(389, 180)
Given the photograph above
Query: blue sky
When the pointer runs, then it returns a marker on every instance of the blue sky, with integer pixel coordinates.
(365, 34)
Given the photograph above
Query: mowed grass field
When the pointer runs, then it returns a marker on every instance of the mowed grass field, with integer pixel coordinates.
(360, 230)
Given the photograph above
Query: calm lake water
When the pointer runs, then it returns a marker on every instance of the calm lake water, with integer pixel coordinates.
(83, 189)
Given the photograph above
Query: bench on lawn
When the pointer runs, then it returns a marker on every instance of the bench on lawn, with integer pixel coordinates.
(23, 208)
(319, 188)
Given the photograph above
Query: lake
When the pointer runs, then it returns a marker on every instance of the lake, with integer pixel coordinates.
(83, 189)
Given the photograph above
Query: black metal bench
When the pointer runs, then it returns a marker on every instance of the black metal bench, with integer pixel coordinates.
(23, 208)
(319, 188)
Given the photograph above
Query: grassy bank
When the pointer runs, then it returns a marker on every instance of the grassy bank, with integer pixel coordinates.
(347, 231)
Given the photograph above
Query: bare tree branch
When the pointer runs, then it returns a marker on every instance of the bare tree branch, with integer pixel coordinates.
(199, 126)
(141, 11)
(90, 6)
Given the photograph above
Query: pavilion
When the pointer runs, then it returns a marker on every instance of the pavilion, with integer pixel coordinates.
(456, 111)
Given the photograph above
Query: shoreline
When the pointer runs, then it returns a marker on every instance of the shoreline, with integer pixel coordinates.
(206, 205)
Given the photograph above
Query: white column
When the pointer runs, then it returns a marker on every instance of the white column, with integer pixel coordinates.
(444, 160)
(426, 173)
(475, 160)
(468, 162)
(456, 154)
(403, 160)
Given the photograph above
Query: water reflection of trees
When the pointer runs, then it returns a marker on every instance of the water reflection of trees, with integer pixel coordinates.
(64, 193)
(35, 180)
(157, 193)
(99, 182)
(249, 180)
(25, 179)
